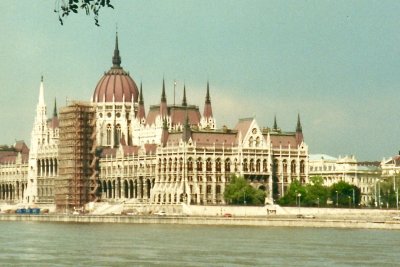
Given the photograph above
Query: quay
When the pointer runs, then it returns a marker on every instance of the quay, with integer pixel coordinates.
(270, 221)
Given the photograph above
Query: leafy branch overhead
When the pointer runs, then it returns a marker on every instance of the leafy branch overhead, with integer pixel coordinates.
(64, 8)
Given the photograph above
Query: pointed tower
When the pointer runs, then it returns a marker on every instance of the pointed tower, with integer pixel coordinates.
(275, 124)
(55, 113)
(164, 133)
(184, 102)
(38, 140)
(163, 104)
(299, 131)
(208, 121)
(116, 59)
(187, 133)
(141, 110)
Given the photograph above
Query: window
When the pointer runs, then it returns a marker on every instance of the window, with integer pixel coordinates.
(108, 134)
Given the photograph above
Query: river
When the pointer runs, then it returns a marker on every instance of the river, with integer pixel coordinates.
(72, 244)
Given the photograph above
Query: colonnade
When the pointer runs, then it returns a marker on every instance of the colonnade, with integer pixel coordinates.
(47, 167)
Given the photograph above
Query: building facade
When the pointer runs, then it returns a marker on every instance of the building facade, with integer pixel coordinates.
(173, 154)
(347, 169)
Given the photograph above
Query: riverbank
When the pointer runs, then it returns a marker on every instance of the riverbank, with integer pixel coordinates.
(270, 221)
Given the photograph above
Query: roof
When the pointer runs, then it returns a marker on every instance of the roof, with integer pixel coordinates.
(321, 157)
(243, 125)
(177, 113)
(116, 85)
(283, 139)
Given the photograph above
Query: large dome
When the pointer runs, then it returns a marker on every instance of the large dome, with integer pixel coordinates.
(116, 85)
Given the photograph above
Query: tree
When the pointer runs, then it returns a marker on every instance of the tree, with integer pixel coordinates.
(388, 193)
(312, 194)
(238, 191)
(341, 194)
(64, 8)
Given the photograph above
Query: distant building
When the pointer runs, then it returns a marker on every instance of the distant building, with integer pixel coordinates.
(361, 174)
(13, 172)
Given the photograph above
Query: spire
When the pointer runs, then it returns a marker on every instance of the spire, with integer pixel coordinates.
(116, 60)
(275, 124)
(141, 114)
(187, 133)
(184, 103)
(141, 95)
(299, 131)
(163, 104)
(207, 106)
(208, 99)
(41, 93)
(299, 128)
(55, 108)
(163, 97)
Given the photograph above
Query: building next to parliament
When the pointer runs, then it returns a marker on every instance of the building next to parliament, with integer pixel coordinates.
(111, 149)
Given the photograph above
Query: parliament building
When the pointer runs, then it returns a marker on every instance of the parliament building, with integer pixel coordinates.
(112, 149)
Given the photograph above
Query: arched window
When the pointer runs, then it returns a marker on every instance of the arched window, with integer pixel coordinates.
(208, 165)
(265, 165)
(302, 167)
(108, 134)
(245, 169)
(258, 165)
(251, 141)
(118, 134)
(218, 165)
(293, 166)
(190, 165)
(284, 165)
(227, 165)
(199, 164)
(169, 165)
(252, 165)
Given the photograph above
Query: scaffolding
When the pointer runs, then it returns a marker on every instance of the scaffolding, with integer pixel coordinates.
(76, 184)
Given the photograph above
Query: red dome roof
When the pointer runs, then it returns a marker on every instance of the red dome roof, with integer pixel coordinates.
(116, 85)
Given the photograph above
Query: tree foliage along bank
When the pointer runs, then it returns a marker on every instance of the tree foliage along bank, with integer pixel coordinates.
(387, 193)
(239, 192)
(315, 194)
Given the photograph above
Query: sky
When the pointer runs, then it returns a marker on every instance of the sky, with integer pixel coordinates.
(336, 63)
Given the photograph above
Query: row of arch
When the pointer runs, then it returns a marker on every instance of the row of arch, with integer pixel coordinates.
(10, 192)
(283, 168)
(251, 165)
(139, 188)
(47, 167)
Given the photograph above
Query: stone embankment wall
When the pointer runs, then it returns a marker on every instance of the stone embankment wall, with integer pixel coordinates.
(270, 221)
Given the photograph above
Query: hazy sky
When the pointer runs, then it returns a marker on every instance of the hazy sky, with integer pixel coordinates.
(337, 63)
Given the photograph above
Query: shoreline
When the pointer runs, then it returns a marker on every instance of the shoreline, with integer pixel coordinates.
(269, 221)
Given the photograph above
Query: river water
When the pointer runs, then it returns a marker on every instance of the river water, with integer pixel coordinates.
(71, 244)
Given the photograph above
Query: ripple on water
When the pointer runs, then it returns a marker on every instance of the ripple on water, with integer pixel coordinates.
(67, 244)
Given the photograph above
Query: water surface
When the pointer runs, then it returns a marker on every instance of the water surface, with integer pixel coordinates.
(71, 244)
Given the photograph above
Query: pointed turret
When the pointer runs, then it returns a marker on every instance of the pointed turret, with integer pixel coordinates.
(299, 128)
(163, 104)
(275, 124)
(141, 110)
(187, 133)
(207, 106)
(299, 131)
(116, 59)
(184, 102)
(55, 114)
